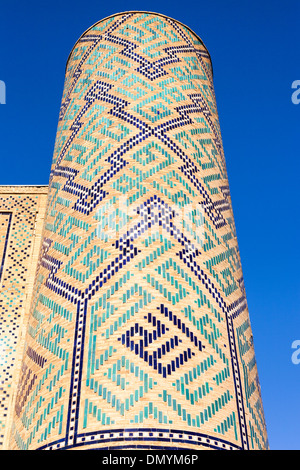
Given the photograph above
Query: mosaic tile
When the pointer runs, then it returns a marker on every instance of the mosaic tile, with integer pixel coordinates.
(21, 212)
(138, 334)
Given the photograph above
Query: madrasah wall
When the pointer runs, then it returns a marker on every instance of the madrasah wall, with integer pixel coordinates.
(22, 211)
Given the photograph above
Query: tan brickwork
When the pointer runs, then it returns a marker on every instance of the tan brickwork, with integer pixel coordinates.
(22, 210)
(139, 333)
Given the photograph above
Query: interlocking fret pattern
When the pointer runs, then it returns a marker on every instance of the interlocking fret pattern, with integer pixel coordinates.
(139, 332)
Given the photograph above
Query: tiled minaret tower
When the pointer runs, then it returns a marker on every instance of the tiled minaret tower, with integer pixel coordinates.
(139, 332)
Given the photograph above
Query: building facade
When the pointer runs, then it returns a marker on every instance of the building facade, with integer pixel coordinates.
(22, 210)
(138, 334)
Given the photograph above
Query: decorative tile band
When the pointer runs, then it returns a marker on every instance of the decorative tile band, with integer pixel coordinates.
(5, 218)
(19, 231)
(114, 437)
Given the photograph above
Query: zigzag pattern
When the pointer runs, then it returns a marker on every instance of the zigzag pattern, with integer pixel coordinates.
(139, 305)
(98, 92)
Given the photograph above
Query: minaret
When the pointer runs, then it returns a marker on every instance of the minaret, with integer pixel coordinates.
(139, 333)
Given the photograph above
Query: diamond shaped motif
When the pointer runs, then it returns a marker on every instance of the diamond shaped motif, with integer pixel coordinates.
(138, 339)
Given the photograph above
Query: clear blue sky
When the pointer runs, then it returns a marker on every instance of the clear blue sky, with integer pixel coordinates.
(255, 48)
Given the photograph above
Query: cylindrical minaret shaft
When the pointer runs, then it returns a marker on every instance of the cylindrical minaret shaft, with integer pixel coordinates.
(139, 332)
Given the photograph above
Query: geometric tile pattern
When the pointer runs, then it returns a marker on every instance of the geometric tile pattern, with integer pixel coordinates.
(21, 212)
(139, 332)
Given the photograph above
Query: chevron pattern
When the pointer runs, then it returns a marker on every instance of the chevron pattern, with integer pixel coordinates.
(139, 332)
